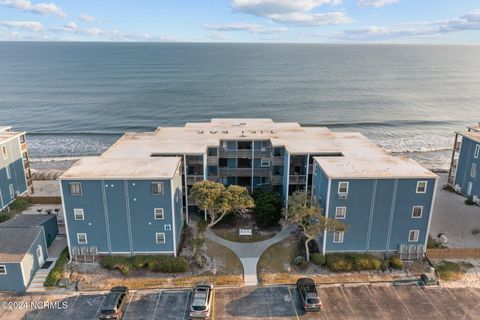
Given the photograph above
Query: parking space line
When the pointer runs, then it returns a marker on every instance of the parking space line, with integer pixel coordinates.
(128, 306)
(375, 301)
(403, 303)
(98, 310)
(348, 301)
(213, 305)
(188, 302)
(293, 304)
(431, 302)
(156, 305)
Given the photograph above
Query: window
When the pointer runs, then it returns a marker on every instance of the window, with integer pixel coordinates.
(22, 138)
(9, 173)
(159, 214)
(75, 188)
(265, 162)
(157, 188)
(421, 186)
(11, 190)
(168, 227)
(417, 212)
(413, 236)
(4, 152)
(340, 213)
(3, 269)
(473, 171)
(160, 237)
(477, 151)
(343, 187)
(338, 236)
(82, 238)
(78, 214)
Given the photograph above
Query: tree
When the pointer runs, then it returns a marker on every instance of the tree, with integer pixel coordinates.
(310, 218)
(218, 200)
(268, 208)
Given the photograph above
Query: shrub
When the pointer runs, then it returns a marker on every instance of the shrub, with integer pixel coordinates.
(338, 263)
(449, 271)
(57, 271)
(318, 259)
(344, 262)
(268, 208)
(395, 262)
(366, 262)
(300, 261)
(19, 205)
(384, 265)
(469, 202)
(166, 264)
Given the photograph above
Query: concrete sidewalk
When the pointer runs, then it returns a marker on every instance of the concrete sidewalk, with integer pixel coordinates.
(249, 253)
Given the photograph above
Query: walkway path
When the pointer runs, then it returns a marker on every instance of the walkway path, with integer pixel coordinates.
(249, 253)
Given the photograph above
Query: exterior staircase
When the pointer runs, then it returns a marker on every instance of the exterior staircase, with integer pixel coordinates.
(36, 285)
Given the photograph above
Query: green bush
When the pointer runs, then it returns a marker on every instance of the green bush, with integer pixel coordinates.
(57, 271)
(344, 262)
(268, 208)
(395, 262)
(318, 259)
(166, 264)
(19, 205)
(469, 202)
(384, 265)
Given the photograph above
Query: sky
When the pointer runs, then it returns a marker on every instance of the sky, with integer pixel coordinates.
(302, 21)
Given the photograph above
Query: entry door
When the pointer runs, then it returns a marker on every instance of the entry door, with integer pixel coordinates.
(469, 189)
(40, 256)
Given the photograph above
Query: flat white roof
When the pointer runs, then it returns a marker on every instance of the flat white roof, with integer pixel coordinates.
(473, 135)
(95, 168)
(5, 128)
(8, 135)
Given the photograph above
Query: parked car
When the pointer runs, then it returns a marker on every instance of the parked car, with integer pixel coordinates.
(201, 300)
(308, 294)
(112, 307)
(428, 279)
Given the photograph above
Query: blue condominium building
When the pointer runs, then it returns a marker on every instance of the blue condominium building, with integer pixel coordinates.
(388, 200)
(15, 176)
(465, 164)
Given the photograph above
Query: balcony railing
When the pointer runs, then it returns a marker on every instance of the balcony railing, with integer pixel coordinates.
(194, 179)
(277, 161)
(263, 153)
(276, 180)
(235, 153)
(194, 162)
(212, 161)
(297, 179)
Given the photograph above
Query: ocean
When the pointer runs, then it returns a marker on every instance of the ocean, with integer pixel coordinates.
(76, 99)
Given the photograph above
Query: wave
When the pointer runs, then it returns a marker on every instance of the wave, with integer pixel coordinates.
(419, 150)
(393, 123)
(77, 133)
(61, 158)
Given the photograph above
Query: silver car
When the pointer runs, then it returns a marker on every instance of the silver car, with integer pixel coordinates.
(201, 300)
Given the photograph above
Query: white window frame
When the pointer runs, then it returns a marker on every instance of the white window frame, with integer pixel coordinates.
(158, 210)
(413, 212)
(78, 212)
(417, 232)
(473, 170)
(80, 188)
(9, 172)
(162, 188)
(340, 234)
(156, 237)
(477, 151)
(5, 152)
(337, 216)
(11, 189)
(418, 185)
(347, 184)
(168, 227)
(264, 162)
(78, 238)
(4, 267)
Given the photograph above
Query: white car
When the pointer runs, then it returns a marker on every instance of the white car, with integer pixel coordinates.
(201, 300)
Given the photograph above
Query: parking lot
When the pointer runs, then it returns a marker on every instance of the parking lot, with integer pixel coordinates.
(280, 302)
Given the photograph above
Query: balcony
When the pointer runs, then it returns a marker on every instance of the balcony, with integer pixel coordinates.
(234, 153)
(263, 153)
(276, 180)
(244, 172)
(297, 179)
(191, 180)
(212, 161)
(194, 162)
(277, 161)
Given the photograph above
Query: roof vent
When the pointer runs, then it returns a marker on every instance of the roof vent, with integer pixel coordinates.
(225, 131)
(200, 131)
(213, 131)
(243, 123)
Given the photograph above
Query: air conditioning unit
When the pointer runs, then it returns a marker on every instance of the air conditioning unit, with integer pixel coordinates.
(457, 188)
(343, 196)
(476, 199)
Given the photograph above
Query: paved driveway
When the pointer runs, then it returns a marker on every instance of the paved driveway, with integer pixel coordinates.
(280, 302)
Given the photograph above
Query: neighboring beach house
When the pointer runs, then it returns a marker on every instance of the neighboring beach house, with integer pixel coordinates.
(386, 199)
(15, 176)
(465, 165)
(23, 251)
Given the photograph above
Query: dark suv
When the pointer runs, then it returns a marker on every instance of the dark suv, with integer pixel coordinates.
(113, 304)
(309, 295)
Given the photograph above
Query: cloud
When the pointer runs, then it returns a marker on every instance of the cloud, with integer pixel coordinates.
(218, 36)
(248, 27)
(87, 18)
(296, 12)
(469, 21)
(375, 3)
(24, 25)
(38, 8)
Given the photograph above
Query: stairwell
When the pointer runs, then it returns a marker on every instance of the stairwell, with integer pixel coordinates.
(36, 285)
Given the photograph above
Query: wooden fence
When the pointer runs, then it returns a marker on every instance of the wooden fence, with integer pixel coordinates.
(454, 253)
(44, 200)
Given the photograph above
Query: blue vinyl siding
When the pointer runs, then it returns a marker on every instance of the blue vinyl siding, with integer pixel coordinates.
(464, 167)
(30, 261)
(13, 280)
(17, 180)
